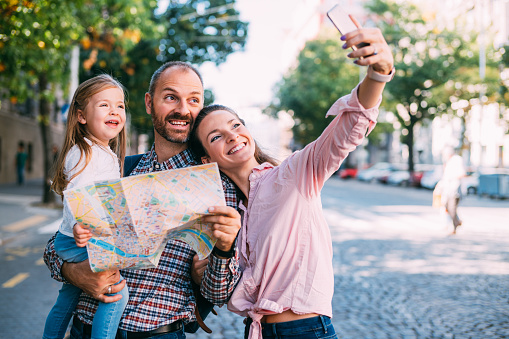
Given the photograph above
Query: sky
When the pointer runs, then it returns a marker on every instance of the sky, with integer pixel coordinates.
(277, 31)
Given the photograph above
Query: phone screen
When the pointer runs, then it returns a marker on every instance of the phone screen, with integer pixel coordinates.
(343, 23)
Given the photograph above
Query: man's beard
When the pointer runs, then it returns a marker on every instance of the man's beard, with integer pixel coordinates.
(173, 136)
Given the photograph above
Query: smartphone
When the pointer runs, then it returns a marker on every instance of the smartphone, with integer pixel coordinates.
(343, 23)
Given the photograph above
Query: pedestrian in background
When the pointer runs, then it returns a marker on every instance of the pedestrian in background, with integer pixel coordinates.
(20, 162)
(449, 186)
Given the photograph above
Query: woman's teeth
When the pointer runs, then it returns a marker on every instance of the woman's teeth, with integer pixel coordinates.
(237, 148)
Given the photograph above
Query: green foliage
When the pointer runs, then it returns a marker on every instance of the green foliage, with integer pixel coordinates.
(323, 74)
(199, 31)
(195, 31)
(435, 66)
(34, 38)
(123, 38)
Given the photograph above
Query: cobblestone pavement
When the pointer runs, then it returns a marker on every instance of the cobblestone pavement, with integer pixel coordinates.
(398, 274)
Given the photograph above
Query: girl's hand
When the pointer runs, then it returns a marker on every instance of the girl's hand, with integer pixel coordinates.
(225, 225)
(81, 235)
(377, 54)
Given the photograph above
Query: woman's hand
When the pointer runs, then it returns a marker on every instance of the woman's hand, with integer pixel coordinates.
(377, 54)
(81, 235)
(225, 222)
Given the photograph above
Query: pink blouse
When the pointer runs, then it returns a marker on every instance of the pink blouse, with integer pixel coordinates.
(284, 243)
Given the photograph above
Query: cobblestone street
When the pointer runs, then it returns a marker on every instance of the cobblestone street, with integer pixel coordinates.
(398, 274)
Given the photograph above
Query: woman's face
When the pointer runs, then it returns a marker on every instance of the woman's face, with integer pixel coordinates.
(226, 140)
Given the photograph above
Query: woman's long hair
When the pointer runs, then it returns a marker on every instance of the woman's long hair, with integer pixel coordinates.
(76, 132)
(197, 147)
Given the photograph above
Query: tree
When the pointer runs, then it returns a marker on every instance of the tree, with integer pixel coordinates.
(195, 31)
(33, 54)
(322, 75)
(35, 44)
(123, 38)
(427, 55)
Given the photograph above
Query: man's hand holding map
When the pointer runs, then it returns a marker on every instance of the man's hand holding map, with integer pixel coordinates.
(132, 219)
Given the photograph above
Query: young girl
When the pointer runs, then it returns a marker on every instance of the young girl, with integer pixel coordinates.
(95, 126)
(284, 244)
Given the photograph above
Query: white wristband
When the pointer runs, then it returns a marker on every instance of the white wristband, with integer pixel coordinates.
(372, 74)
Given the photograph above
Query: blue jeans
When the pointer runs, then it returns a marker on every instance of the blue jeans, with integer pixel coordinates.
(21, 175)
(316, 327)
(77, 333)
(107, 316)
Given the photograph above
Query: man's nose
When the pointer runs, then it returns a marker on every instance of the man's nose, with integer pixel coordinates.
(184, 108)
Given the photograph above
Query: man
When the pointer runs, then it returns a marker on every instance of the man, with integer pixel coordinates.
(161, 299)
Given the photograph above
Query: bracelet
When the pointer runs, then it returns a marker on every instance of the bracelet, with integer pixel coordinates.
(224, 254)
(372, 74)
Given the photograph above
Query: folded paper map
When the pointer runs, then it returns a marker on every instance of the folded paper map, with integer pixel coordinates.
(133, 218)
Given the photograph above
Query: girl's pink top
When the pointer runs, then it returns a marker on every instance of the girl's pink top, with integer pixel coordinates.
(284, 244)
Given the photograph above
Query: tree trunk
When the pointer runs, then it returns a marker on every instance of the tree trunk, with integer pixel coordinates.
(410, 144)
(44, 124)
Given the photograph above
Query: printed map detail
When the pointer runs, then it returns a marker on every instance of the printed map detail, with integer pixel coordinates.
(133, 218)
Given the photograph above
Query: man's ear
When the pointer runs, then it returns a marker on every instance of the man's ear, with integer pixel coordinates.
(205, 160)
(148, 103)
(81, 117)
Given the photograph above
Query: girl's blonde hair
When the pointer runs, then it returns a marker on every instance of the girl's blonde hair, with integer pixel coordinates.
(76, 132)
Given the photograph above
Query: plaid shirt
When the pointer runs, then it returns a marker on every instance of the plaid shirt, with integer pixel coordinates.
(162, 295)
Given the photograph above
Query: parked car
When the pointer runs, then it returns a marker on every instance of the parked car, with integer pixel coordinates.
(347, 173)
(395, 168)
(430, 178)
(371, 173)
(470, 183)
(405, 178)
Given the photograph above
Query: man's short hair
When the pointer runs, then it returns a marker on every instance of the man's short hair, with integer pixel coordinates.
(164, 67)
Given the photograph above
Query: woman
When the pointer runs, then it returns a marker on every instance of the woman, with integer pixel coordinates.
(285, 248)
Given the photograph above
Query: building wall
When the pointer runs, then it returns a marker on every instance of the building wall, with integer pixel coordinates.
(15, 128)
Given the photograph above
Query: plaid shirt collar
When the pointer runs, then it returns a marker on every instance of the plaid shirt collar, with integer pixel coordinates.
(149, 163)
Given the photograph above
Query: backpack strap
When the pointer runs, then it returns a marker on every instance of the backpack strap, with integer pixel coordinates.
(130, 163)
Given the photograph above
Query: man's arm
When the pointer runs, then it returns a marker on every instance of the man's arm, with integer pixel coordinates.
(222, 272)
(81, 276)
(53, 261)
(220, 279)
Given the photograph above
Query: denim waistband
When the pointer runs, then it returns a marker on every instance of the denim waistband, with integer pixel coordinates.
(296, 326)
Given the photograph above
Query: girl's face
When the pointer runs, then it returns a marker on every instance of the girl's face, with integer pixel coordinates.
(226, 140)
(104, 115)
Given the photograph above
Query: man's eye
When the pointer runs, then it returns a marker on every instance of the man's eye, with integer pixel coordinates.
(170, 97)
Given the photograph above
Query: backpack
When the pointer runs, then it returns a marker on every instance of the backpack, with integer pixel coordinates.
(203, 306)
